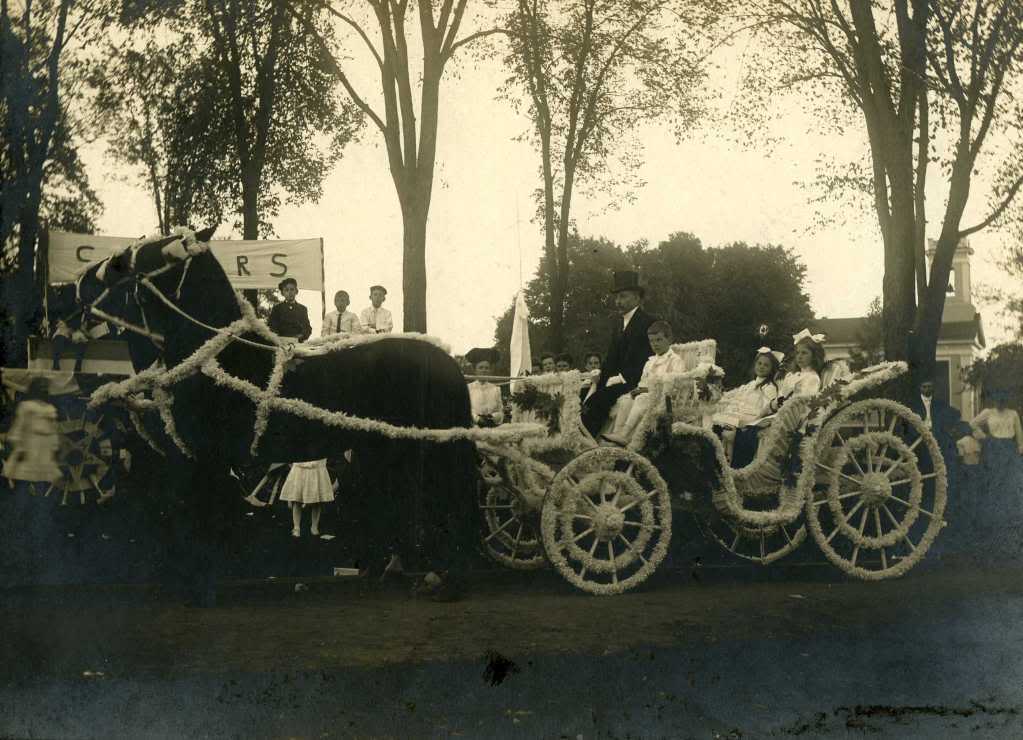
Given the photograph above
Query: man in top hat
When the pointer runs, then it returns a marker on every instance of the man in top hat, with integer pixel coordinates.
(290, 319)
(627, 354)
(376, 319)
(485, 398)
(342, 320)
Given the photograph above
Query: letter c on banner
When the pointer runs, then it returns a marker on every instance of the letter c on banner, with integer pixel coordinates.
(82, 248)
(283, 266)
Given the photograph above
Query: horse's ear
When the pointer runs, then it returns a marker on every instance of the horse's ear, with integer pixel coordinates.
(162, 242)
(206, 234)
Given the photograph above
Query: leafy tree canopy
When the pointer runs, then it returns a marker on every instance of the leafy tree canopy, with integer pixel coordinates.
(726, 293)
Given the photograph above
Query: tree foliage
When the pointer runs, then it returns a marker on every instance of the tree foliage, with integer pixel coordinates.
(869, 349)
(935, 86)
(225, 107)
(725, 293)
(1001, 370)
(588, 73)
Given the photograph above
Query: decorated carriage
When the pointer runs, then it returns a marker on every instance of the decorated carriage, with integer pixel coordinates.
(861, 473)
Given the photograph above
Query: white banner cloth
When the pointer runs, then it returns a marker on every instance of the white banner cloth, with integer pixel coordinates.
(248, 264)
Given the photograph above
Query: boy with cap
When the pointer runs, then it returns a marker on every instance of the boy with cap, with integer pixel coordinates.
(485, 398)
(341, 321)
(290, 319)
(376, 319)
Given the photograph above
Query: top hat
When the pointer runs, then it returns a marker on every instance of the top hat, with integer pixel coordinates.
(626, 280)
(479, 354)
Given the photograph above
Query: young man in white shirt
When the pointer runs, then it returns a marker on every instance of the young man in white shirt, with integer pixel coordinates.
(376, 319)
(341, 321)
(485, 398)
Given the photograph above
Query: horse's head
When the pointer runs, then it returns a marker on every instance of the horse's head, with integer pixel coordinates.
(110, 289)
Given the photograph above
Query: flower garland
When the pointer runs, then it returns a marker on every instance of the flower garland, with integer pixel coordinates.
(560, 507)
(682, 389)
(159, 381)
(569, 434)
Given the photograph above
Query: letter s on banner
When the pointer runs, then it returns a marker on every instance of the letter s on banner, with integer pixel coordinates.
(282, 265)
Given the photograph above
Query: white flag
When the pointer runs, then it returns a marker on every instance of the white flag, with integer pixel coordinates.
(521, 357)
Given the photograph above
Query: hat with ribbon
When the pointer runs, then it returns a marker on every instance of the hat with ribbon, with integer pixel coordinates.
(779, 356)
(805, 334)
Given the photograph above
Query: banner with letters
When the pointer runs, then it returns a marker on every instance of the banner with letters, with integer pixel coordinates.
(248, 264)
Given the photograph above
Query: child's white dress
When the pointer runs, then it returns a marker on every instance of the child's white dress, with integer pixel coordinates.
(308, 483)
(746, 404)
(34, 443)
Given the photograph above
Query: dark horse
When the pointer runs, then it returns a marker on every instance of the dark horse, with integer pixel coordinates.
(415, 495)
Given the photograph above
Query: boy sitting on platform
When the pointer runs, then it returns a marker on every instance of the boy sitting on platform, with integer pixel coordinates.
(630, 408)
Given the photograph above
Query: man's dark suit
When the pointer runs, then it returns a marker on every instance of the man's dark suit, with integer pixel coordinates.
(628, 353)
(943, 420)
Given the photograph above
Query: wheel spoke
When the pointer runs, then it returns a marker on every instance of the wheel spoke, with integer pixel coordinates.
(515, 544)
(842, 496)
(884, 560)
(852, 455)
(500, 529)
(611, 558)
(581, 535)
(863, 519)
(633, 550)
(786, 533)
(921, 509)
(839, 472)
(856, 552)
(763, 546)
(853, 510)
(735, 542)
(877, 521)
(496, 507)
(584, 517)
(644, 525)
(646, 497)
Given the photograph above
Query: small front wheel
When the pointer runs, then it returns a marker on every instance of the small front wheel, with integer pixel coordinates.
(606, 521)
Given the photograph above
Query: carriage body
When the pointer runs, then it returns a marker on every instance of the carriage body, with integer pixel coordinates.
(861, 474)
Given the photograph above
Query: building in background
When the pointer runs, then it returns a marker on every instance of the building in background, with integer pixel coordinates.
(959, 342)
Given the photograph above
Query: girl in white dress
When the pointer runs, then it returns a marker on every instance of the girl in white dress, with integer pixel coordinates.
(804, 379)
(308, 484)
(743, 406)
(33, 437)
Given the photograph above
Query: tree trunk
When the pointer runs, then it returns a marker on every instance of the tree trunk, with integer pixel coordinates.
(413, 273)
(250, 221)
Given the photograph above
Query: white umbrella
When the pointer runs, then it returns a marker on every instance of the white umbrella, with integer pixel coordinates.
(519, 352)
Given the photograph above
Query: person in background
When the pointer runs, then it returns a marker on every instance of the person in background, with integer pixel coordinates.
(536, 369)
(375, 318)
(341, 321)
(590, 375)
(485, 397)
(547, 363)
(998, 428)
(633, 406)
(563, 362)
(626, 355)
(289, 318)
(33, 438)
(937, 414)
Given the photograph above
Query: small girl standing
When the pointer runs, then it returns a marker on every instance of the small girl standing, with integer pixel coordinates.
(745, 405)
(33, 437)
(308, 484)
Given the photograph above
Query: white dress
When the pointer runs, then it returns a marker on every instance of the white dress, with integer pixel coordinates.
(308, 483)
(34, 443)
(485, 399)
(746, 404)
(799, 383)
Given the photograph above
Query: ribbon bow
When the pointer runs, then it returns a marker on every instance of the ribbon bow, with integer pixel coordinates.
(805, 334)
(779, 356)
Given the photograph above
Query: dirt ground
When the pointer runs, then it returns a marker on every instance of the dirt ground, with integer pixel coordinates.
(710, 652)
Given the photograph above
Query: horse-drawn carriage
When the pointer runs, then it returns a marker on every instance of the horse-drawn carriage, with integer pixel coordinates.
(864, 471)
(863, 474)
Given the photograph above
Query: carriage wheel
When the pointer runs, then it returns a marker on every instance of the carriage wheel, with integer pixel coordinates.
(881, 491)
(89, 458)
(606, 521)
(762, 545)
(511, 538)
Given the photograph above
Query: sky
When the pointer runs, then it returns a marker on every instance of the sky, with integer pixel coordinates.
(483, 245)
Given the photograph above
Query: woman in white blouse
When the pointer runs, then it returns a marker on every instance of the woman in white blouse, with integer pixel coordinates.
(1000, 429)
(485, 398)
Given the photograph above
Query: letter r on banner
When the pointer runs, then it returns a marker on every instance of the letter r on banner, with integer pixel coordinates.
(242, 269)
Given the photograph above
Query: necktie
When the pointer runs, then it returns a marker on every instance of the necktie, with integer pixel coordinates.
(338, 324)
